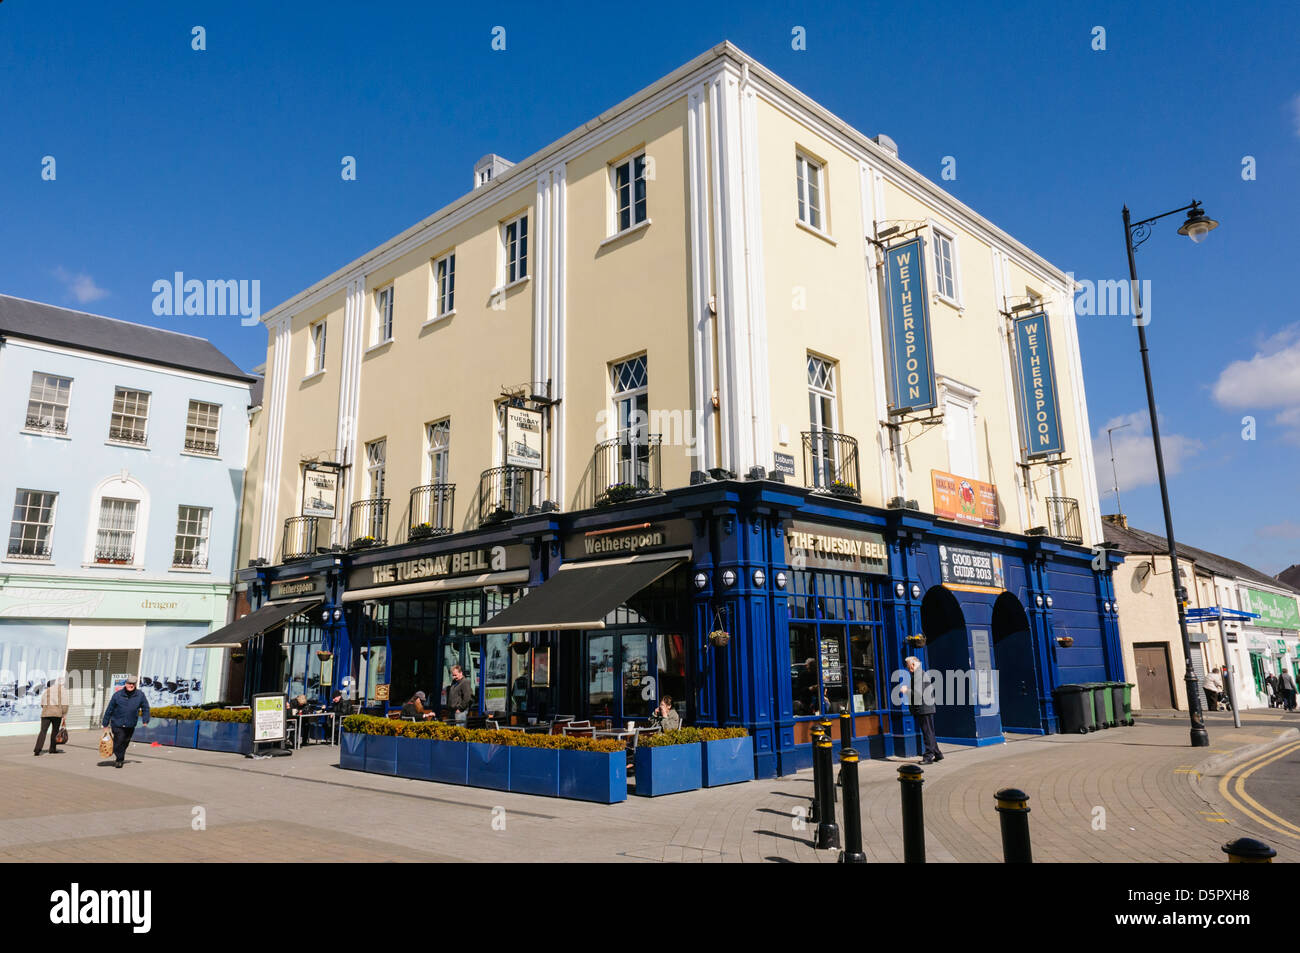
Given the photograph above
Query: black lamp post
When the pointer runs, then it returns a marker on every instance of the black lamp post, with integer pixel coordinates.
(1197, 226)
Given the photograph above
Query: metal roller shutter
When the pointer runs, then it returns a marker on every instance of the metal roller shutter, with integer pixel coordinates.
(89, 674)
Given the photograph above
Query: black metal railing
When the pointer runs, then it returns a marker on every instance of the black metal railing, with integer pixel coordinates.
(830, 463)
(368, 524)
(432, 510)
(126, 435)
(503, 493)
(301, 537)
(47, 424)
(114, 556)
(208, 447)
(184, 560)
(626, 467)
(1063, 519)
(29, 549)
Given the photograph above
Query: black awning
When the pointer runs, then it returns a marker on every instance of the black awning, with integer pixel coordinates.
(579, 597)
(255, 623)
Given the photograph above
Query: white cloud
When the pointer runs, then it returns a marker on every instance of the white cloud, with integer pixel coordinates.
(1135, 454)
(1287, 529)
(1267, 381)
(81, 286)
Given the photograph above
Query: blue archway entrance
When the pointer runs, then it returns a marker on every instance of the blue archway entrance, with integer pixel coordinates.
(1013, 656)
(948, 656)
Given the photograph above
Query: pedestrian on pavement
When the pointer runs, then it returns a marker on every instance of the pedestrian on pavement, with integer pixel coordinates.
(460, 697)
(1213, 689)
(1270, 682)
(54, 708)
(414, 707)
(125, 708)
(922, 709)
(1286, 686)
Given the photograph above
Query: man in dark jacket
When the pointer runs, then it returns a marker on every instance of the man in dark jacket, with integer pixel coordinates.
(922, 709)
(124, 709)
(460, 697)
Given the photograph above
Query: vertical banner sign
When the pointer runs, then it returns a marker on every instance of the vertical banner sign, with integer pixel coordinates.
(524, 438)
(1040, 413)
(907, 315)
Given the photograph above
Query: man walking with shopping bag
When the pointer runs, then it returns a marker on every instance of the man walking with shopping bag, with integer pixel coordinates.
(125, 708)
(54, 708)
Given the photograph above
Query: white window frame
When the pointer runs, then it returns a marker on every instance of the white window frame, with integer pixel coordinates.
(819, 397)
(66, 407)
(202, 539)
(808, 167)
(615, 226)
(938, 231)
(112, 412)
(442, 290)
(376, 468)
(506, 279)
(216, 430)
(965, 397)
(384, 325)
(17, 524)
(120, 486)
(317, 340)
(435, 448)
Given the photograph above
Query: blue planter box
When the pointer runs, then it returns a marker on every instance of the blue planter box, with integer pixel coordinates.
(413, 756)
(225, 736)
(535, 771)
(668, 769)
(726, 761)
(381, 754)
(489, 766)
(187, 734)
(352, 751)
(161, 730)
(449, 762)
(594, 776)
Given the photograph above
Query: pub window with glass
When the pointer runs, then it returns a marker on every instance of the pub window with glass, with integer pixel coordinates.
(834, 635)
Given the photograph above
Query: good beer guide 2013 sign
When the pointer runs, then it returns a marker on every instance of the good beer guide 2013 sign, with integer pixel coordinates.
(907, 328)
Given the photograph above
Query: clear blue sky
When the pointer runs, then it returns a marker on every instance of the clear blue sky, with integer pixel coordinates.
(225, 164)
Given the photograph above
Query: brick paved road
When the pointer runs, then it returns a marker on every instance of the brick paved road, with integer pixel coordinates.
(1156, 807)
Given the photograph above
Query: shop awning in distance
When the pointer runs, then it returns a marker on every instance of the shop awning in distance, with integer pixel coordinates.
(255, 623)
(580, 596)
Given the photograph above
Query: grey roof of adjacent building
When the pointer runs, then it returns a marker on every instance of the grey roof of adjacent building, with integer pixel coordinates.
(255, 392)
(1291, 576)
(50, 324)
(1140, 542)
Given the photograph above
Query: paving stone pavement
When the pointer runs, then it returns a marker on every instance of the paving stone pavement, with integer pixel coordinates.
(1127, 794)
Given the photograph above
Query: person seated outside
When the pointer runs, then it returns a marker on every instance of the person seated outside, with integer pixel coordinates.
(414, 707)
(665, 716)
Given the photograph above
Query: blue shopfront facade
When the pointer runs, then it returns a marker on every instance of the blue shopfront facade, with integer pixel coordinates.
(760, 604)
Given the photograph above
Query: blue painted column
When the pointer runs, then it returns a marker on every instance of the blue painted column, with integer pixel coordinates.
(1040, 622)
(902, 619)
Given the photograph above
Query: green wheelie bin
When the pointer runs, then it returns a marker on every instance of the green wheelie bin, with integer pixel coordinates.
(1101, 703)
(1128, 703)
(1074, 707)
(1117, 702)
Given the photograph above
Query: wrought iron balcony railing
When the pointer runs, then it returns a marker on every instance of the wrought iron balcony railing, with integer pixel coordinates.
(432, 510)
(127, 435)
(29, 549)
(504, 493)
(208, 447)
(113, 555)
(626, 467)
(184, 560)
(301, 537)
(1063, 519)
(830, 463)
(47, 425)
(368, 524)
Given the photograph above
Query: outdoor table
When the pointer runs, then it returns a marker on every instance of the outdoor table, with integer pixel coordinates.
(317, 714)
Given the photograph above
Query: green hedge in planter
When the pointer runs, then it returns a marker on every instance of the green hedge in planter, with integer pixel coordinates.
(689, 736)
(438, 731)
(177, 713)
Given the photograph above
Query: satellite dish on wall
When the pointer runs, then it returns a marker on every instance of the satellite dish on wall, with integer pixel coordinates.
(1144, 573)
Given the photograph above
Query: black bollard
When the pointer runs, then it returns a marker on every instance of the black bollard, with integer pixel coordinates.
(817, 735)
(852, 853)
(910, 780)
(846, 741)
(827, 725)
(828, 832)
(1013, 808)
(1247, 850)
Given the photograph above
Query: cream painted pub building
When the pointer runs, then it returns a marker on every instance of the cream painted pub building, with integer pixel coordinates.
(714, 397)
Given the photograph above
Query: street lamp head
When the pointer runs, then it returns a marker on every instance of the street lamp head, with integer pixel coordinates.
(1198, 224)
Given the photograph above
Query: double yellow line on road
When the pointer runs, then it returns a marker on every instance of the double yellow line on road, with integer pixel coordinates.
(1232, 787)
